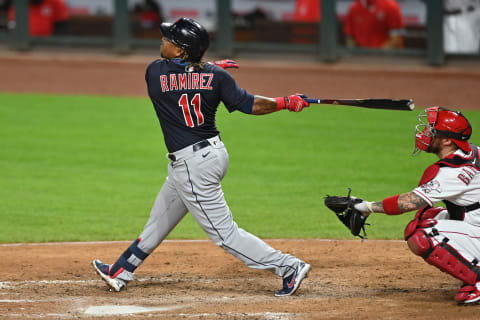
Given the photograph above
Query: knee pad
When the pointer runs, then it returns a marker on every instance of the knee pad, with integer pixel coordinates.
(416, 224)
(434, 213)
(420, 243)
(424, 214)
(410, 229)
(443, 256)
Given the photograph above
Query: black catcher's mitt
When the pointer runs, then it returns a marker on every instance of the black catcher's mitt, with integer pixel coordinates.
(353, 219)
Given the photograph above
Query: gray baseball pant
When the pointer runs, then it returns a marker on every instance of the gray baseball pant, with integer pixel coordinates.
(193, 185)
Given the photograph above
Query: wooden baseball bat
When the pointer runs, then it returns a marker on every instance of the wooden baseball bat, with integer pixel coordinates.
(389, 104)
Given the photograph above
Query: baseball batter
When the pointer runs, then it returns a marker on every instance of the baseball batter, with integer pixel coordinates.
(185, 93)
(448, 238)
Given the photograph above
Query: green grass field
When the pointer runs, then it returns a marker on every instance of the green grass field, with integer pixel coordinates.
(82, 168)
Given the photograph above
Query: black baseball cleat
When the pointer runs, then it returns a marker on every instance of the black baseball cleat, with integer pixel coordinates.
(293, 281)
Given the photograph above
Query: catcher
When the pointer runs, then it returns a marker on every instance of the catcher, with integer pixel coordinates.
(448, 238)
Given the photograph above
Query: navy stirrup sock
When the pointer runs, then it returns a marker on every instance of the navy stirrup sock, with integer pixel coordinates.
(129, 260)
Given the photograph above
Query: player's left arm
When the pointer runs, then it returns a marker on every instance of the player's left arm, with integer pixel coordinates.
(236, 98)
(264, 105)
(398, 204)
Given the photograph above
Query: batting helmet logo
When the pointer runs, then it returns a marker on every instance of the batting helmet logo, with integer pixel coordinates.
(444, 122)
(189, 35)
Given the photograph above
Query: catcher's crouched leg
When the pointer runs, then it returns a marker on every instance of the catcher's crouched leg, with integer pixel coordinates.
(425, 213)
(441, 255)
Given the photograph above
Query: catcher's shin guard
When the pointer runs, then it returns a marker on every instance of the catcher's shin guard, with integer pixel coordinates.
(443, 256)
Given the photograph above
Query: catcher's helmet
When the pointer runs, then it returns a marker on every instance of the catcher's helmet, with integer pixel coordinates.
(188, 35)
(444, 122)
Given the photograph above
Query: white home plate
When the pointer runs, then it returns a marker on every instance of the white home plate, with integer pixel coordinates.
(111, 310)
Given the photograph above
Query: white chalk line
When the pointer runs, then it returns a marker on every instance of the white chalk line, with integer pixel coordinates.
(183, 241)
(166, 279)
(266, 315)
(42, 315)
(22, 283)
(17, 301)
(113, 310)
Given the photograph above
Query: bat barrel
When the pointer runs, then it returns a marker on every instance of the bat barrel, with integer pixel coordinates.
(389, 104)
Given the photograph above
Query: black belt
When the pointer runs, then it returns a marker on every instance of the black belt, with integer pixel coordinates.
(200, 145)
(197, 146)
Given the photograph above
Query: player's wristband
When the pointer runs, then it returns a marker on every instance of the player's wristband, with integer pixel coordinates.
(390, 205)
(280, 103)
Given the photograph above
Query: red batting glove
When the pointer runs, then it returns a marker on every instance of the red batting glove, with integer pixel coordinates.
(293, 102)
(225, 64)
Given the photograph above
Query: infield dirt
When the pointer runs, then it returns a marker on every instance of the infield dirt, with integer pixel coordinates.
(197, 280)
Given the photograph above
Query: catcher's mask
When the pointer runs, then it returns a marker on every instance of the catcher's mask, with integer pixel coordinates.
(444, 122)
(189, 35)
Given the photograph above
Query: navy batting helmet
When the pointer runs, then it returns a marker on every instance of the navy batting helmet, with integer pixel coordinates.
(188, 35)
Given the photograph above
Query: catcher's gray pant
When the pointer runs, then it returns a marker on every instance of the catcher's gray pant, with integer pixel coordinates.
(193, 184)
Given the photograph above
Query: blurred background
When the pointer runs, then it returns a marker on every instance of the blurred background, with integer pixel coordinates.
(329, 29)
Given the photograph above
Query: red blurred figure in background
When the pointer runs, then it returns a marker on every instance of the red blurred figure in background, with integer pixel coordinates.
(307, 11)
(46, 17)
(374, 24)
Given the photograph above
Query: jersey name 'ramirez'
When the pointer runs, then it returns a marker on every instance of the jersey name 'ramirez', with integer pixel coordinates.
(186, 81)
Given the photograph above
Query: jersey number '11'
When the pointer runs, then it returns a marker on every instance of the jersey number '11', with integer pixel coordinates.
(183, 103)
